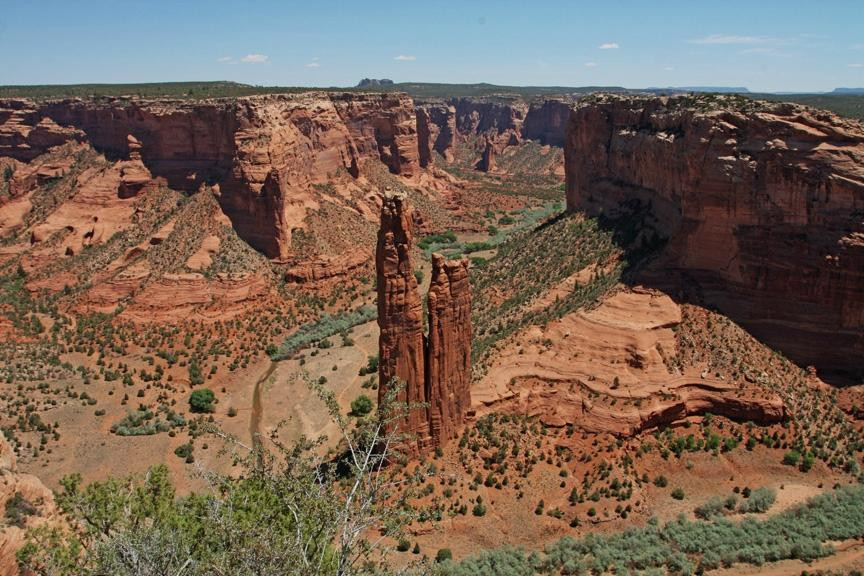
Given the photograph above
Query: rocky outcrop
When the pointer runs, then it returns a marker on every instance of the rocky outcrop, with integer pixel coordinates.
(448, 355)
(436, 131)
(434, 373)
(25, 133)
(265, 152)
(478, 116)
(546, 122)
(487, 160)
(27, 502)
(761, 204)
(605, 370)
(400, 317)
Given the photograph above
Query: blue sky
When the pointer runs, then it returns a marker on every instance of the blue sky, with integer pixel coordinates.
(768, 45)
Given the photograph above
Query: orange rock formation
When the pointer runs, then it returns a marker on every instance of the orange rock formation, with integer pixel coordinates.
(434, 372)
(761, 204)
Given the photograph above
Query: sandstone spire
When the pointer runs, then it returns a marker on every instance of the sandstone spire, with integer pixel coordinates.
(448, 359)
(435, 371)
(400, 313)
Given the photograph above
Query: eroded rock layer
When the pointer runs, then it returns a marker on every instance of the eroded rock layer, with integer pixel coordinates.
(434, 372)
(761, 204)
(264, 152)
(605, 370)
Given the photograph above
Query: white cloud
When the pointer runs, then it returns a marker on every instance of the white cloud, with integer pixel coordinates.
(313, 65)
(856, 65)
(608, 46)
(225, 59)
(668, 68)
(405, 58)
(731, 39)
(591, 64)
(255, 58)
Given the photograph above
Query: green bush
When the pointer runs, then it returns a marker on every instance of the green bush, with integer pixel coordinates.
(682, 545)
(678, 494)
(323, 328)
(711, 508)
(791, 458)
(201, 400)
(184, 451)
(760, 500)
(361, 406)
(443, 555)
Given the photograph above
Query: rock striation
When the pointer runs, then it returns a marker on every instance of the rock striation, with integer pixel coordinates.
(761, 204)
(435, 372)
(604, 370)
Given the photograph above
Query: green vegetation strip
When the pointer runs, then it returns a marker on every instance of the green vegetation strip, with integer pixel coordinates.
(688, 547)
(324, 327)
(531, 262)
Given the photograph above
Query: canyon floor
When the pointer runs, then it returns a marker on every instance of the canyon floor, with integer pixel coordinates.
(599, 399)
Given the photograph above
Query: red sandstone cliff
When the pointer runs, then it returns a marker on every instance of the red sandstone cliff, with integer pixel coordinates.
(436, 372)
(762, 205)
(436, 131)
(265, 152)
(546, 122)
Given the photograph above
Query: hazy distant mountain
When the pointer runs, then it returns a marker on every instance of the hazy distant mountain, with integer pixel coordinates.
(848, 91)
(719, 89)
(367, 82)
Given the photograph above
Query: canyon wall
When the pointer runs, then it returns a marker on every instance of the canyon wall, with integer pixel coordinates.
(761, 204)
(264, 152)
(546, 122)
(478, 121)
(435, 372)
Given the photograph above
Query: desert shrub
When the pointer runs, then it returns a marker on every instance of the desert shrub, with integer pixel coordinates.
(141, 423)
(682, 545)
(791, 458)
(448, 237)
(361, 406)
(184, 451)
(711, 508)
(677, 494)
(503, 562)
(760, 500)
(286, 512)
(201, 400)
(371, 366)
(323, 328)
(18, 509)
(443, 555)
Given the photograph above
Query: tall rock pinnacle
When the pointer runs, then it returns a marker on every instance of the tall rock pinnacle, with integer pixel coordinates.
(400, 314)
(434, 371)
(448, 358)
